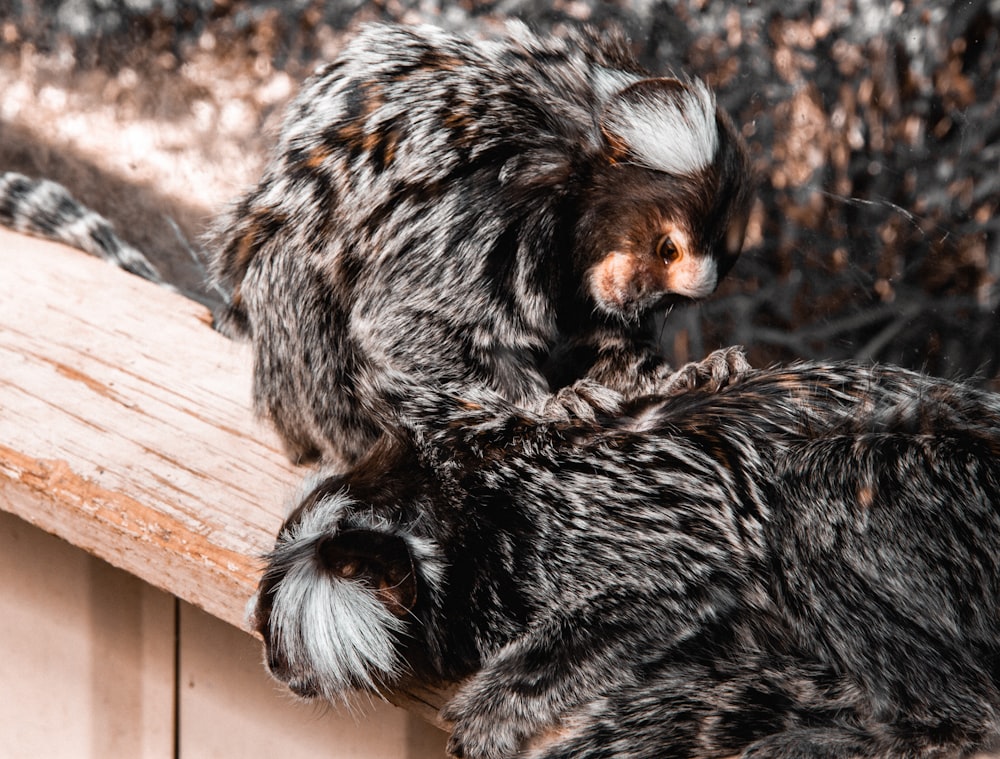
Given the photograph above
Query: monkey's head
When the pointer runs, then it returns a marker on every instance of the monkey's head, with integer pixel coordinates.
(664, 215)
(359, 592)
(335, 603)
(394, 568)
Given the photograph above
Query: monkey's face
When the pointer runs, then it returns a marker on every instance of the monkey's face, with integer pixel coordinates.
(664, 213)
(647, 241)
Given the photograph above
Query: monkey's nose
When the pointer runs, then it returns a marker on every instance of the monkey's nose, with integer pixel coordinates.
(277, 664)
(303, 688)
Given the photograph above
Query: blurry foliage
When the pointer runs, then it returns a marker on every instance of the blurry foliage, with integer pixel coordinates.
(876, 130)
(874, 126)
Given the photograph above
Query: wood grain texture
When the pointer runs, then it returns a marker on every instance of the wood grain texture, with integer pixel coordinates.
(126, 429)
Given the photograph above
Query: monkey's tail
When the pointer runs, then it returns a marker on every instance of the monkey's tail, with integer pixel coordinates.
(45, 209)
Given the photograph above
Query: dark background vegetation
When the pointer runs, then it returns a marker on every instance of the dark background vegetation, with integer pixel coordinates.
(874, 126)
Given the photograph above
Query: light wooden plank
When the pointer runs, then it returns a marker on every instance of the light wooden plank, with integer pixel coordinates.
(88, 664)
(229, 707)
(125, 427)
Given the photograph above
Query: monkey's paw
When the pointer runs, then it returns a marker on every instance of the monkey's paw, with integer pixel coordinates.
(720, 368)
(476, 737)
(584, 399)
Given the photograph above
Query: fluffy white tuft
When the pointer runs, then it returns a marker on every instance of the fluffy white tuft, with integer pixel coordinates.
(677, 135)
(334, 633)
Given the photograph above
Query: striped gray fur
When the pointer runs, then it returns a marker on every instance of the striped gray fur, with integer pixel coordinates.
(46, 209)
(805, 563)
(509, 210)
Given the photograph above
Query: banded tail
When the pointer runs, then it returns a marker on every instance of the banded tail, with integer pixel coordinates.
(43, 208)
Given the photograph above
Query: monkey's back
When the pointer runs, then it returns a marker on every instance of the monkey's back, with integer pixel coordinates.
(838, 526)
(806, 562)
(413, 215)
(841, 474)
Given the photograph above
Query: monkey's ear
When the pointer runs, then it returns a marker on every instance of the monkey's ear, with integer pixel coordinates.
(664, 124)
(379, 561)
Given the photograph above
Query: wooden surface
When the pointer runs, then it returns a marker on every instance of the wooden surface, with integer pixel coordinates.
(88, 670)
(100, 665)
(125, 427)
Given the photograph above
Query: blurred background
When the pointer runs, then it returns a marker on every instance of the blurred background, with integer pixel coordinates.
(874, 127)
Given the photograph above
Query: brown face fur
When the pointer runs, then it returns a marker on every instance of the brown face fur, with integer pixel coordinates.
(638, 254)
(648, 261)
(646, 237)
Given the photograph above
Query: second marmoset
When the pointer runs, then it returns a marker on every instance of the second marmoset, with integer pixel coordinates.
(505, 211)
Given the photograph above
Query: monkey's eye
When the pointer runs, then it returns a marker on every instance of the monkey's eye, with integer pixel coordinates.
(667, 249)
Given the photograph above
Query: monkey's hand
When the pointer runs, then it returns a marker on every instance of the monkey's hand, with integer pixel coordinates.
(585, 399)
(632, 367)
(721, 368)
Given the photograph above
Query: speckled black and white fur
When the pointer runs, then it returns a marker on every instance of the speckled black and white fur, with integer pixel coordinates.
(43, 208)
(505, 211)
(805, 563)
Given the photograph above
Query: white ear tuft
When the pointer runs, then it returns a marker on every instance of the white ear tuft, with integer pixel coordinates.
(664, 124)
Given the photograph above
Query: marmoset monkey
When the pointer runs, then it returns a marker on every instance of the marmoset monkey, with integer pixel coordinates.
(505, 212)
(804, 563)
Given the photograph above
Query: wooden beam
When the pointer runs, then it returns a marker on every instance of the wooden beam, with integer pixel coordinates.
(126, 429)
